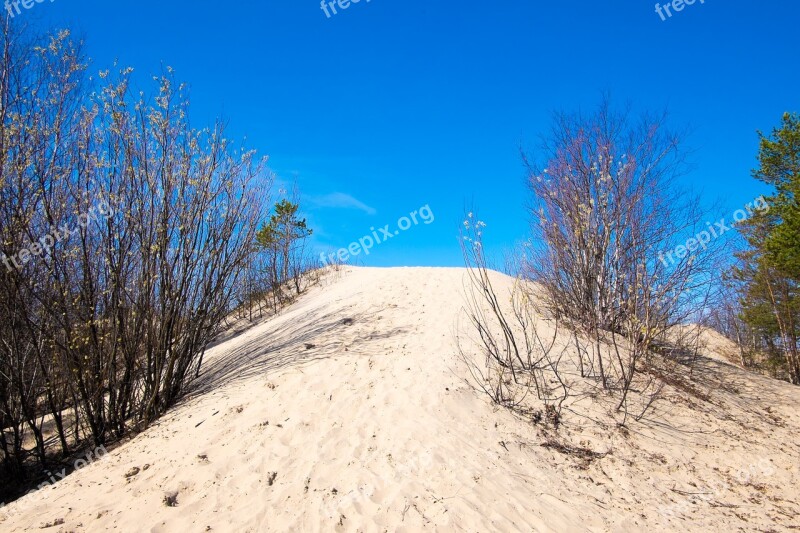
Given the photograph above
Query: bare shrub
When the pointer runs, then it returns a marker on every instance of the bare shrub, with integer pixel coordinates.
(105, 325)
(606, 217)
(601, 266)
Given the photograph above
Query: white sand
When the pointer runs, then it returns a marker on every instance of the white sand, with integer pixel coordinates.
(375, 429)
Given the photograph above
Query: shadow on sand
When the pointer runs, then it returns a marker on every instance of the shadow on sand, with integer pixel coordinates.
(316, 336)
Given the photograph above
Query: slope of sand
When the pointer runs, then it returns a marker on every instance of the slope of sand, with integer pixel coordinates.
(311, 422)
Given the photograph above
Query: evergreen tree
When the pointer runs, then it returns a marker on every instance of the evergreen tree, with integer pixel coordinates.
(278, 238)
(770, 271)
(780, 167)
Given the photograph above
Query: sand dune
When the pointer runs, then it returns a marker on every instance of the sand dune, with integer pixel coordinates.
(351, 412)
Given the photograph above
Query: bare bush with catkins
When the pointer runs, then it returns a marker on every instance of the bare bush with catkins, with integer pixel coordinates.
(604, 209)
(104, 331)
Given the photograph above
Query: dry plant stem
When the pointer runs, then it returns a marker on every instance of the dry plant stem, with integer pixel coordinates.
(516, 359)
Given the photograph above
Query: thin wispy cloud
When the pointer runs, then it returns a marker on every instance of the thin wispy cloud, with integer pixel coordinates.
(340, 200)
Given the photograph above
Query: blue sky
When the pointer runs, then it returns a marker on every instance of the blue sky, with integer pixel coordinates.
(392, 105)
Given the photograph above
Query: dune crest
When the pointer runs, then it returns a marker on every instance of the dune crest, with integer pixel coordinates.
(351, 411)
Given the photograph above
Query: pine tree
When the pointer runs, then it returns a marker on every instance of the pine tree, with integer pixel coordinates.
(278, 238)
(780, 167)
(771, 267)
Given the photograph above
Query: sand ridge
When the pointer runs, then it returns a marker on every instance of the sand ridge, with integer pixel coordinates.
(350, 411)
